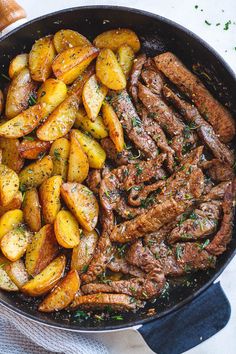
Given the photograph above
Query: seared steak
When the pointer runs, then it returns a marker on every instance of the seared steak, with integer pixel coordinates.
(218, 171)
(135, 74)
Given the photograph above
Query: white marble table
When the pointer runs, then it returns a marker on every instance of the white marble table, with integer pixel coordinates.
(224, 41)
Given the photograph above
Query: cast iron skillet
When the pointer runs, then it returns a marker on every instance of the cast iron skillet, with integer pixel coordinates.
(157, 35)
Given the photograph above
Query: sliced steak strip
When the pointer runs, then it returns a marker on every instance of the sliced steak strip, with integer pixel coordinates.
(191, 86)
(152, 78)
(204, 129)
(217, 192)
(119, 264)
(135, 74)
(217, 170)
(119, 158)
(224, 235)
(93, 180)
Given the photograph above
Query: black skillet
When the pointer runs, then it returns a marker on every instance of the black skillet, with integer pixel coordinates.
(194, 308)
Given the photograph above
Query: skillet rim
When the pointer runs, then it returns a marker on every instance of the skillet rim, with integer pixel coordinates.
(230, 71)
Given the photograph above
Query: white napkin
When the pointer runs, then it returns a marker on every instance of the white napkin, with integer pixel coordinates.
(51, 339)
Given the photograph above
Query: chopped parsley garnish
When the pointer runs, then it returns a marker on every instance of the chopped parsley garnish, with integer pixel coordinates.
(207, 23)
(196, 6)
(136, 122)
(226, 26)
(57, 155)
(139, 169)
(31, 100)
(179, 251)
(5, 77)
(121, 250)
(203, 245)
(85, 268)
(117, 318)
(43, 94)
(30, 138)
(81, 315)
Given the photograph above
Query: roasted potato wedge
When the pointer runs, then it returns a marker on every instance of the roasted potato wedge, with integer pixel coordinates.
(66, 229)
(83, 253)
(51, 94)
(113, 39)
(125, 55)
(78, 162)
(77, 87)
(9, 184)
(17, 273)
(32, 210)
(10, 220)
(59, 152)
(94, 151)
(5, 281)
(49, 193)
(82, 203)
(70, 63)
(41, 251)
(22, 124)
(66, 38)
(15, 242)
(47, 279)
(17, 64)
(97, 128)
(34, 174)
(18, 94)
(15, 203)
(93, 96)
(33, 149)
(114, 126)
(109, 71)
(41, 57)
(1, 102)
(60, 120)
(10, 154)
(63, 293)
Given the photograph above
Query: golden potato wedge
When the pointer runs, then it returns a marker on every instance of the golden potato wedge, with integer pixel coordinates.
(17, 64)
(51, 94)
(63, 293)
(114, 126)
(125, 55)
(15, 203)
(60, 120)
(47, 279)
(22, 124)
(33, 149)
(41, 57)
(5, 281)
(77, 87)
(97, 128)
(113, 39)
(17, 272)
(10, 154)
(70, 63)
(59, 152)
(10, 220)
(94, 151)
(83, 253)
(78, 162)
(1, 102)
(42, 250)
(32, 210)
(49, 194)
(34, 174)
(93, 96)
(66, 38)
(15, 242)
(19, 92)
(66, 229)
(109, 71)
(82, 203)
(9, 184)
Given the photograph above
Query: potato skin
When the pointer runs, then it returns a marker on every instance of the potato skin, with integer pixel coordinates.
(33, 149)
(47, 279)
(71, 63)
(10, 220)
(63, 293)
(34, 174)
(114, 126)
(42, 250)
(17, 64)
(78, 162)
(60, 120)
(113, 39)
(17, 273)
(109, 71)
(19, 92)
(49, 194)
(66, 229)
(66, 38)
(10, 154)
(14, 243)
(83, 253)
(9, 184)
(41, 57)
(82, 203)
(59, 152)
(32, 210)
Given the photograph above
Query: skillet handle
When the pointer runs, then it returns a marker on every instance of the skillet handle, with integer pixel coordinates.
(192, 324)
(10, 12)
